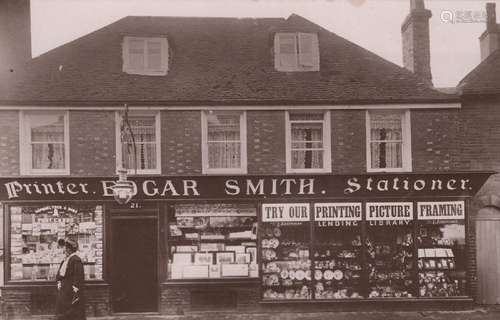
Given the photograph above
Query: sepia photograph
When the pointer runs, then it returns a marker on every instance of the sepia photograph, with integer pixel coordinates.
(249, 159)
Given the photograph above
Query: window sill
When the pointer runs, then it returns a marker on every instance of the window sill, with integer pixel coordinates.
(224, 171)
(147, 72)
(389, 170)
(310, 171)
(45, 173)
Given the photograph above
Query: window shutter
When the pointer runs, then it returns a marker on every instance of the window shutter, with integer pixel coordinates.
(286, 50)
(136, 54)
(154, 50)
(307, 49)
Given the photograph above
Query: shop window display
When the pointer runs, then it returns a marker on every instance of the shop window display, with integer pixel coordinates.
(338, 271)
(212, 241)
(390, 250)
(35, 231)
(285, 254)
(441, 250)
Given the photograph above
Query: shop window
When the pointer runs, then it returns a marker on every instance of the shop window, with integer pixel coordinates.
(212, 241)
(285, 252)
(441, 249)
(389, 141)
(44, 143)
(296, 52)
(144, 158)
(35, 231)
(390, 250)
(145, 56)
(308, 142)
(338, 258)
(224, 142)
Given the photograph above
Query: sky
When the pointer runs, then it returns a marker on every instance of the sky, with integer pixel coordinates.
(373, 24)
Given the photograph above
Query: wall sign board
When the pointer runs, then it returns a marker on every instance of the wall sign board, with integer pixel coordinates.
(247, 187)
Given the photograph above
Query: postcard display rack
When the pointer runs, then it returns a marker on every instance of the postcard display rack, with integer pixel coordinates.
(402, 250)
(35, 230)
(212, 241)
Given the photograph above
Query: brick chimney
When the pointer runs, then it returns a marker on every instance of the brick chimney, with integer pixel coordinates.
(15, 34)
(489, 40)
(416, 42)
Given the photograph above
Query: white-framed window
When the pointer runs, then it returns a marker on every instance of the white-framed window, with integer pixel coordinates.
(388, 136)
(145, 56)
(308, 147)
(146, 158)
(224, 143)
(296, 52)
(44, 139)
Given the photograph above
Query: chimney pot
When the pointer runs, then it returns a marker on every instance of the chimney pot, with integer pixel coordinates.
(489, 41)
(416, 41)
(491, 17)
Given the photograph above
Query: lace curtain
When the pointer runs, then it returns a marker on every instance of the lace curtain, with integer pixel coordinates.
(47, 141)
(145, 143)
(386, 140)
(223, 138)
(307, 145)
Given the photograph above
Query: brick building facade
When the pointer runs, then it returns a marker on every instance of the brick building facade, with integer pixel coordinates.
(288, 101)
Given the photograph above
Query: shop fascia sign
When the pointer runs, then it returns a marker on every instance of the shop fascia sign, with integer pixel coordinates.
(224, 187)
(376, 213)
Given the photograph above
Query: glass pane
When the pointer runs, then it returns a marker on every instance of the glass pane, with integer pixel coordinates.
(390, 260)
(287, 44)
(223, 127)
(136, 54)
(338, 258)
(385, 126)
(307, 159)
(143, 129)
(386, 155)
(224, 146)
(47, 128)
(442, 258)
(48, 156)
(212, 241)
(224, 155)
(154, 55)
(35, 231)
(145, 156)
(307, 132)
(286, 260)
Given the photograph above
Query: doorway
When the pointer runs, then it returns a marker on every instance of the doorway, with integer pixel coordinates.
(134, 265)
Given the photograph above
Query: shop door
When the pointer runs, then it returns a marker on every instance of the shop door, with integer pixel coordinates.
(134, 265)
(488, 255)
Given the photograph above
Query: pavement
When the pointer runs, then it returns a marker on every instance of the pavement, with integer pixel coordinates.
(478, 313)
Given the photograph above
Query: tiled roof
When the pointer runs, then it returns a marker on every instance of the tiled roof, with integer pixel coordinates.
(485, 78)
(214, 61)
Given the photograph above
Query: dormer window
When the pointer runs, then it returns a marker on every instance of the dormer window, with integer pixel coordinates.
(296, 52)
(145, 56)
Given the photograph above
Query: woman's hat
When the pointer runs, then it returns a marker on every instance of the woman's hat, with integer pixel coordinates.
(72, 244)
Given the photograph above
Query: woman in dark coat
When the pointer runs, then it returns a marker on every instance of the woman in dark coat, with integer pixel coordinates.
(70, 304)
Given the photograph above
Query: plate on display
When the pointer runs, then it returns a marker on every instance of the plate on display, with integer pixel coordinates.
(338, 275)
(328, 275)
(291, 274)
(318, 275)
(277, 232)
(274, 243)
(269, 254)
(300, 275)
